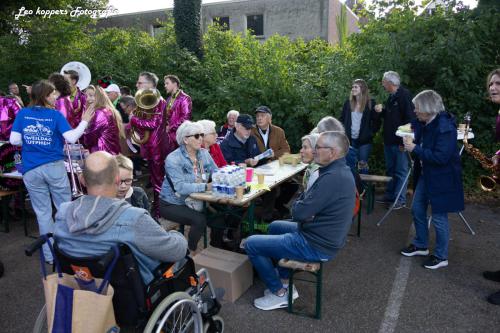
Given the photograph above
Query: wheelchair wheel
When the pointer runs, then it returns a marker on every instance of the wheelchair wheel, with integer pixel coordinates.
(217, 327)
(177, 313)
(41, 321)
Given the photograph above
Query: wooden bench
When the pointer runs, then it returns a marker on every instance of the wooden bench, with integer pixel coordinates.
(313, 268)
(370, 181)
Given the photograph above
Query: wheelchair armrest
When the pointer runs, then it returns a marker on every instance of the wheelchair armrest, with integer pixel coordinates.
(36, 245)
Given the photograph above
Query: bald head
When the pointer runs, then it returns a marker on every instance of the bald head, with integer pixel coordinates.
(101, 170)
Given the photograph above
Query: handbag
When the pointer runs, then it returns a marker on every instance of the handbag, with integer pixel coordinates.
(72, 309)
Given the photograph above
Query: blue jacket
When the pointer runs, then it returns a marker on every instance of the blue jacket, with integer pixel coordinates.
(436, 155)
(235, 151)
(180, 169)
(324, 220)
(90, 225)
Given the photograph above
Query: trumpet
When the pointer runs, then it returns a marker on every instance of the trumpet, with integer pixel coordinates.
(74, 167)
(146, 100)
(487, 183)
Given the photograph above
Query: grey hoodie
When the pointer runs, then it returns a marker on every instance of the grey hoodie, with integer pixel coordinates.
(90, 223)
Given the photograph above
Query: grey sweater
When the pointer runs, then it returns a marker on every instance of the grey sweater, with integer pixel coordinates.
(324, 212)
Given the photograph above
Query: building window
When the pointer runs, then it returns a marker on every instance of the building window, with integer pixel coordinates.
(223, 22)
(255, 23)
(158, 30)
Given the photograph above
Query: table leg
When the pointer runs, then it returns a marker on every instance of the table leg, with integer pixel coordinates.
(251, 218)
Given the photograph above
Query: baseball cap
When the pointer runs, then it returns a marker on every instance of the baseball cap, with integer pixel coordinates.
(263, 109)
(112, 88)
(246, 120)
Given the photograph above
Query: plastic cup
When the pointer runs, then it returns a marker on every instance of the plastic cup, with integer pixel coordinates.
(294, 162)
(249, 175)
(239, 192)
(260, 178)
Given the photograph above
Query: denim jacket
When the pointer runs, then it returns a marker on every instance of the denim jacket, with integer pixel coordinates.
(180, 169)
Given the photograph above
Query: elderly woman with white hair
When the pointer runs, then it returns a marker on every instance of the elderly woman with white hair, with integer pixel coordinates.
(437, 176)
(187, 170)
(210, 142)
(226, 129)
(307, 157)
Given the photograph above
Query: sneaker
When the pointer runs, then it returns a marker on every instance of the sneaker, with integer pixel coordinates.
(434, 263)
(494, 298)
(493, 276)
(271, 302)
(412, 250)
(295, 293)
(399, 205)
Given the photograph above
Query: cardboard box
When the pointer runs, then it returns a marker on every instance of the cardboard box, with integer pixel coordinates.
(228, 270)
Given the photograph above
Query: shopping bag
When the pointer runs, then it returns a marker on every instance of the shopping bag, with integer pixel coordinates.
(73, 310)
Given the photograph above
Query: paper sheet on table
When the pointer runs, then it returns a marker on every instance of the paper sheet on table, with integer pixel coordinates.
(258, 187)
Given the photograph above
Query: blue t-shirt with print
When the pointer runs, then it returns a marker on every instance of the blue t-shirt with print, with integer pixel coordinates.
(42, 131)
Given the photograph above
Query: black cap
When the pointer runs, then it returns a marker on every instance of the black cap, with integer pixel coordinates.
(246, 120)
(263, 109)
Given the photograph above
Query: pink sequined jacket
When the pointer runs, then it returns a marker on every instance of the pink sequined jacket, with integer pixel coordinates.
(181, 110)
(78, 104)
(64, 105)
(9, 107)
(155, 147)
(102, 133)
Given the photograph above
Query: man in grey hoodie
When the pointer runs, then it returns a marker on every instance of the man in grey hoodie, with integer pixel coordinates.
(90, 225)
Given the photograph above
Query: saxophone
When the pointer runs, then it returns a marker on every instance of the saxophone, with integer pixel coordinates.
(487, 183)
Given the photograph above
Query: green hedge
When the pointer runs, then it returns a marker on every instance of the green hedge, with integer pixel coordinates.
(301, 82)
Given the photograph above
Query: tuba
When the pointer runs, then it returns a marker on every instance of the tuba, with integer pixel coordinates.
(146, 100)
(487, 183)
(83, 73)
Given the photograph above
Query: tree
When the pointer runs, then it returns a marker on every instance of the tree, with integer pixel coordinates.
(187, 15)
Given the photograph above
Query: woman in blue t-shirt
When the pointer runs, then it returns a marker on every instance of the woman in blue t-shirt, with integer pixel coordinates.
(41, 131)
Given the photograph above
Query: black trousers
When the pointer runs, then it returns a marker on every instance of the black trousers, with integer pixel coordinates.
(182, 214)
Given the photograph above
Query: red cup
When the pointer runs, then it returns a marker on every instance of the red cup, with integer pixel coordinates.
(249, 175)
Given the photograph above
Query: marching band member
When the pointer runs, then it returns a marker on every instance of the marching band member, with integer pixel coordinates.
(9, 107)
(155, 149)
(77, 98)
(41, 132)
(179, 107)
(63, 102)
(106, 127)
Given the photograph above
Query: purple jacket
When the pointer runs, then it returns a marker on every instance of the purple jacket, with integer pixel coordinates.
(155, 148)
(9, 107)
(102, 133)
(79, 105)
(64, 105)
(180, 111)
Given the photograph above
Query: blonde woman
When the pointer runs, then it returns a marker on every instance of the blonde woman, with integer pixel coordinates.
(106, 127)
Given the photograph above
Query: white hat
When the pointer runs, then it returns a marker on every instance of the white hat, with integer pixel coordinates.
(112, 88)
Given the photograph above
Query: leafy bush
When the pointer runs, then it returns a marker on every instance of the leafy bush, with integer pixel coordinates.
(450, 52)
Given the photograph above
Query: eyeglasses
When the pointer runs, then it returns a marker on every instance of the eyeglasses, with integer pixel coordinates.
(127, 181)
(196, 136)
(322, 147)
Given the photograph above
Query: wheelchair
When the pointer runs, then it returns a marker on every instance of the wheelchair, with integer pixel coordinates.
(178, 300)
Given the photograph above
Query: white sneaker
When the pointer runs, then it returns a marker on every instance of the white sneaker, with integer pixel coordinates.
(295, 293)
(271, 302)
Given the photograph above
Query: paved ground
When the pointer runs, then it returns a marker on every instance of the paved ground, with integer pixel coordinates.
(369, 287)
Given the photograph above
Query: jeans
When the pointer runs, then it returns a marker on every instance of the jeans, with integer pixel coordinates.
(283, 241)
(363, 152)
(440, 222)
(47, 180)
(397, 167)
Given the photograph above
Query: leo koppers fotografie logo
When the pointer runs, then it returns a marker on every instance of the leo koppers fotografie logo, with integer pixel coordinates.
(38, 134)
